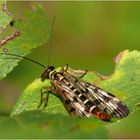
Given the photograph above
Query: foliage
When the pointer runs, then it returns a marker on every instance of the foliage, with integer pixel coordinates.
(31, 36)
(43, 125)
(54, 121)
(4, 17)
(123, 83)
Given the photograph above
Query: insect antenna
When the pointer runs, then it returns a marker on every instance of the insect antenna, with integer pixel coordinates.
(50, 44)
(18, 56)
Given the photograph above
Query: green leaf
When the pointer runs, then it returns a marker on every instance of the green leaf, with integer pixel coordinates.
(34, 31)
(124, 83)
(127, 128)
(30, 99)
(43, 125)
(4, 17)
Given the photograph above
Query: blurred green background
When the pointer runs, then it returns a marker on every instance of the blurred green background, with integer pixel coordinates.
(86, 35)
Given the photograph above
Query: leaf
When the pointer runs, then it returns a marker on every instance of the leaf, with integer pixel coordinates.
(30, 99)
(121, 83)
(124, 83)
(42, 125)
(34, 31)
(127, 128)
(4, 17)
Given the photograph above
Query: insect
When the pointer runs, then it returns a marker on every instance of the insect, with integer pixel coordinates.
(82, 98)
(79, 97)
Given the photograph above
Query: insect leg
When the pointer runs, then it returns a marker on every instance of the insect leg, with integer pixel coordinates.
(83, 74)
(64, 69)
(44, 91)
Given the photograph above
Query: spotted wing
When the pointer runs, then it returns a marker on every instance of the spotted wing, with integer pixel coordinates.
(69, 91)
(106, 101)
(74, 106)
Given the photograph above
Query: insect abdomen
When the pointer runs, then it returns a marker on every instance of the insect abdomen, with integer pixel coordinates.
(96, 112)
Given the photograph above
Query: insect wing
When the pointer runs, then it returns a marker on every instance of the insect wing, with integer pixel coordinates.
(106, 101)
(74, 106)
(72, 95)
